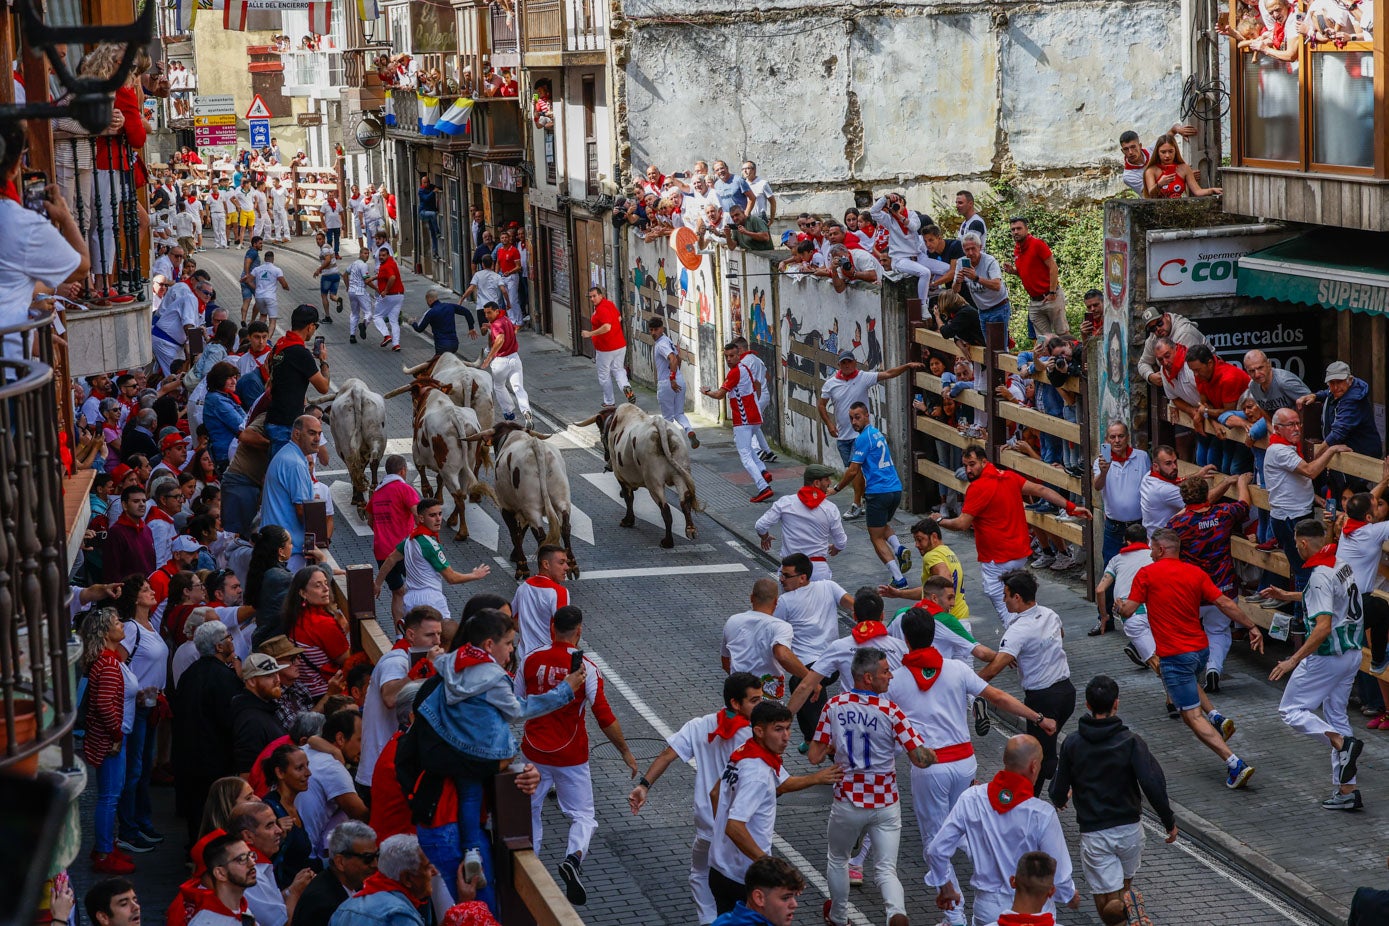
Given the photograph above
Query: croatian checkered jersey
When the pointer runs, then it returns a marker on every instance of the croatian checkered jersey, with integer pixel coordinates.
(865, 730)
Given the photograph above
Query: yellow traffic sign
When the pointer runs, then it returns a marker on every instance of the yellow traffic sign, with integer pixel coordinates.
(229, 119)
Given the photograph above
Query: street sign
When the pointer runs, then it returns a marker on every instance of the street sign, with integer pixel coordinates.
(309, 119)
(258, 109)
(260, 133)
(214, 105)
(211, 136)
(228, 119)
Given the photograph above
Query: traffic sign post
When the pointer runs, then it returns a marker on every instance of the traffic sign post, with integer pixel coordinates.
(214, 105)
(258, 109)
(214, 136)
(260, 133)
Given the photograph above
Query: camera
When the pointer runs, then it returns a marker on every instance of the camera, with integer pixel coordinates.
(846, 264)
(896, 207)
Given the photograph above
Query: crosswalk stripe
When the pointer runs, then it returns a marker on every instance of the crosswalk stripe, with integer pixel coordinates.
(646, 571)
(642, 506)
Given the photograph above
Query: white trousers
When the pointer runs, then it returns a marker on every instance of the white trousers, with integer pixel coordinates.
(762, 404)
(506, 371)
(918, 269)
(993, 585)
(743, 437)
(1140, 634)
(166, 352)
(388, 316)
(513, 299)
(699, 881)
(104, 220)
(1320, 683)
(673, 403)
(262, 225)
(935, 790)
(1217, 635)
(574, 788)
(611, 370)
(358, 309)
(219, 230)
(819, 569)
(280, 222)
(884, 826)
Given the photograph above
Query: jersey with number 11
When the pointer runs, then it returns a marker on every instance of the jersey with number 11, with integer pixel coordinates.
(865, 731)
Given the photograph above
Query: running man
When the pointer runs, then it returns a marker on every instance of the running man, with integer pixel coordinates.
(746, 416)
(504, 359)
(809, 522)
(358, 299)
(846, 387)
(758, 369)
(426, 565)
(937, 559)
(268, 279)
(670, 379)
(609, 346)
(328, 276)
(390, 289)
(872, 461)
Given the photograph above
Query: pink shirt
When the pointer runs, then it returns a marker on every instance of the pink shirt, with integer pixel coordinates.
(392, 511)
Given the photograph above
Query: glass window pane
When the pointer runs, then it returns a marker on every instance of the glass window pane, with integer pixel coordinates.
(1343, 99)
(1271, 122)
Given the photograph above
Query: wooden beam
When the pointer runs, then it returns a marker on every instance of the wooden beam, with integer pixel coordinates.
(941, 431)
(933, 385)
(1070, 531)
(1258, 495)
(1009, 362)
(1041, 421)
(1274, 561)
(933, 340)
(1262, 617)
(938, 473)
(542, 896)
(1053, 476)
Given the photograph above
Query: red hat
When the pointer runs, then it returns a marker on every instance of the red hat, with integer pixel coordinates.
(170, 441)
(514, 225)
(119, 472)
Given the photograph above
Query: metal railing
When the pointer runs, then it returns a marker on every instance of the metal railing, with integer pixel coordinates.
(97, 178)
(502, 32)
(586, 25)
(35, 687)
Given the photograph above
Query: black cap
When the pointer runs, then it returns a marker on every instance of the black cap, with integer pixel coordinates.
(304, 315)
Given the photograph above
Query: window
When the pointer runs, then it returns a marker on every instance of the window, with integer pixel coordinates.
(590, 102)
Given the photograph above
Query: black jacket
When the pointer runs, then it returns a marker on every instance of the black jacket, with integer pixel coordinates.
(320, 900)
(202, 730)
(254, 726)
(1106, 764)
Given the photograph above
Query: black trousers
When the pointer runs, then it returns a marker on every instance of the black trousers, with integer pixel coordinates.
(726, 891)
(1058, 702)
(809, 715)
(1376, 611)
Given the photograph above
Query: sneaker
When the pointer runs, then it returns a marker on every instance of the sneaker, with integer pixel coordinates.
(982, 723)
(854, 513)
(900, 583)
(1380, 722)
(1212, 684)
(764, 496)
(1043, 561)
(1131, 651)
(1256, 599)
(769, 457)
(362, 330)
(386, 340)
(904, 559)
(1134, 913)
(151, 834)
(767, 475)
(134, 843)
(1238, 776)
(1063, 562)
(351, 339)
(1267, 545)
(1102, 626)
(631, 396)
(855, 876)
(113, 863)
(529, 421)
(573, 887)
(825, 910)
(339, 302)
(1339, 801)
(804, 747)
(472, 867)
(1172, 712)
(1348, 755)
(1042, 506)
(328, 319)
(694, 440)
(1223, 725)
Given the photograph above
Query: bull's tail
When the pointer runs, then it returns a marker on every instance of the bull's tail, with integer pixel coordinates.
(472, 482)
(547, 504)
(668, 448)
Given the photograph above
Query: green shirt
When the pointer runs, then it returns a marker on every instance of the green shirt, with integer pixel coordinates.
(754, 224)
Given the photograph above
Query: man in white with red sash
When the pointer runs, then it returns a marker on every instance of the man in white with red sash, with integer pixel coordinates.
(743, 411)
(538, 598)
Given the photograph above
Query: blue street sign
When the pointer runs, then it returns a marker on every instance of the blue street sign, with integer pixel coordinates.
(260, 133)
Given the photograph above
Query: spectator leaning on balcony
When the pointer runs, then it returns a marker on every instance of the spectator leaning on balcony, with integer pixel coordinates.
(981, 282)
(1220, 385)
(747, 231)
(1273, 387)
(1347, 415)
(1179, 329)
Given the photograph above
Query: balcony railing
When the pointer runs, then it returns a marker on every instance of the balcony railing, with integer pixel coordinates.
(35, 687)
(320, 74)
(105, 205)
(544, 26)
(495, 130)
(586, 25)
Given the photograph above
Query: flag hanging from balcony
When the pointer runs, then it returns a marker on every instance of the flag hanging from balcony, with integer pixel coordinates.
(454, 121)
(321, 18)
(429, 113)
(185, 15)
(368, 10)
(234, 15)
(390, 108)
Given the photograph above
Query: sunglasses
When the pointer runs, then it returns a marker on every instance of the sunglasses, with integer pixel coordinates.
(368, 857)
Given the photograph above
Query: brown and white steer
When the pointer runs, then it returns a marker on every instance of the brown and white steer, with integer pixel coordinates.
(472, 388)
(357, 417)
(532, 491)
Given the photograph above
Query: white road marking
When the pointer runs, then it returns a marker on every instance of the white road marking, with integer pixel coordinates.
(481, 528)
(638, 704)
(742, 550)
(642, 505)
(344, 510)
(402, 445)
(707, 569)
(580, 525)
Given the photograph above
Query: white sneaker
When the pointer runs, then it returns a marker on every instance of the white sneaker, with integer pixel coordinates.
(1062, 562)
(1043, 561)
(855, 511)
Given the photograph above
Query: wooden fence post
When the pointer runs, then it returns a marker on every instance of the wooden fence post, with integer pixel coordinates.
(361, 603)
(995, 342)
(1095, 554)
(511, 832)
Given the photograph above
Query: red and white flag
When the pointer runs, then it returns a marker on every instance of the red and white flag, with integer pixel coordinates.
(234, 15)
(321, 18)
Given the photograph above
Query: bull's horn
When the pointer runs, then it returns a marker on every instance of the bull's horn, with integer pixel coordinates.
(399, 390)
(322, 399)
(538, 434)
(418, 368)
(586, 422)
(483, 435)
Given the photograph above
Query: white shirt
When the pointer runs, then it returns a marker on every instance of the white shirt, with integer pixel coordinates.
(1362, 549)
(329, 779)
(279, 198)
(995, 841)
(842, 393)
(813, 612)
(243, 199)
(747, 793)
(184, 656)
(267, 277)
(695, 742)
(177, 310)
(1183, 387)
(185, 225)
(662, 348)
(327, 252)
(1158, 501)
(1289, 492)
(939, 715)
(264, 899)
(903, 237)
(1033, 639)
(535, 602)
(332, 214)
(758, 369)
(839, 657)
(1123, 567)
(1121, 486)
(748, 639)
(378, 720)
(249, 361)
(489, 287)
(1331, 590)
(762, 190)
(150, 659)
(357, 278)
(262, 205)
(807, 530)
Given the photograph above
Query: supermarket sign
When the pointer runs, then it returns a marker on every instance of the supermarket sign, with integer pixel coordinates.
(1201, 268)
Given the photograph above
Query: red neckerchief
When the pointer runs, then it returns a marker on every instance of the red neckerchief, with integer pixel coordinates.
(1172, 370)
(10, 191)
(840, 375)
(158, 514)
(422, 668)
(810, 496)
(470, 655)
(1132, 548)
(1280, 439)
(924, 665)
(1280, 34)
(1326, 556)
(752, 749)
(287, 340)
(1124, 458)
(378, 883)
(422, 531)
(727, 725)
(1351, 526)
(1157, 475)
(1026, 919)
(864, 631)
(1008, 790)
(128, 521)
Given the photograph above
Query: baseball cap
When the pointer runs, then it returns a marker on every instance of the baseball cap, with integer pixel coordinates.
(280, 648)
(1151, 316)
(185, 544)
(817, 471)
(846, 355)
(119, 472)
(1338, 370)
(787, 237)
(259, 665)
(170, 441)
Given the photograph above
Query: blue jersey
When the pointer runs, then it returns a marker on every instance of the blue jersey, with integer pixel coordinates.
(874, 458)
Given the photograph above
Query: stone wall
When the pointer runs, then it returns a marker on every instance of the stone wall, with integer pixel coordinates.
(830, 100)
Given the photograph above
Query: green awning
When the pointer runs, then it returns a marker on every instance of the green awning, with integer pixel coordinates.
(1337, 269)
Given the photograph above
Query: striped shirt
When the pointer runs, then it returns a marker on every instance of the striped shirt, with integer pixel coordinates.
(1206, 532)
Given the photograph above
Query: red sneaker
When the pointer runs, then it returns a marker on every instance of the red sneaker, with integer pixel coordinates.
(764, 496)
(113, 863)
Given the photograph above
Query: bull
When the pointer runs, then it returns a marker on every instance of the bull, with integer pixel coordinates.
(357, 417)
(532, 491)
(647, 452)
(442, 432)
(472, 388)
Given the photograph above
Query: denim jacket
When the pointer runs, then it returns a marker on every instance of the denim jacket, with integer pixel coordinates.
(386, 908)
(472, 709)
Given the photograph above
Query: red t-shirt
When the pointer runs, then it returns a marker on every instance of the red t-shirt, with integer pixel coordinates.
(322, 640)
(606, 314)
(561, 737)
(1030, 258)
(994, 500)
(388, 281)
(390, 815)
(1227, 383)
(109, 155)
(508, 259)
(1174, 592)
(504, 330)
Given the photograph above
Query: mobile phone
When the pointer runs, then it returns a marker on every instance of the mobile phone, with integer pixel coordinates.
(310, 541)
(36, 191)
(34, 811)
(576, 660)
(318, 343)
(965, 263)
(679, 175)
(1106, 452)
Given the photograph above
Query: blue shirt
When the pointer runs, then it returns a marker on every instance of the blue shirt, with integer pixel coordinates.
(732, 193)
(224, 420)
(874, 458)
(440, 322)
(287, 483)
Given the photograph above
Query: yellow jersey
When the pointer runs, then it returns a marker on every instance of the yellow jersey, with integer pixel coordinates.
(943, 554)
